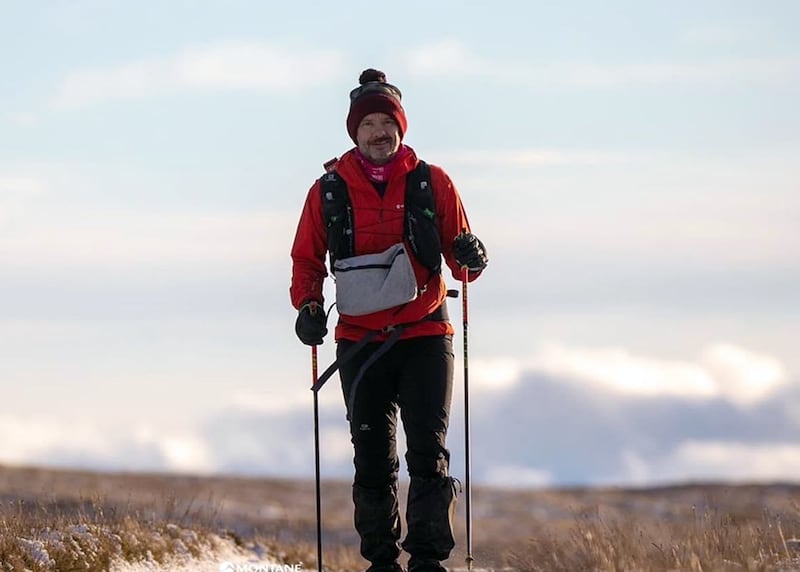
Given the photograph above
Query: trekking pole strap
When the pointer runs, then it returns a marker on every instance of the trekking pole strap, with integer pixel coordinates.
(384, 347)
(440, 314)
(344, 358)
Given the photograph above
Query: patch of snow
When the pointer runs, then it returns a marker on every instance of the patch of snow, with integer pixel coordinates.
(37, 551)
(224, 556)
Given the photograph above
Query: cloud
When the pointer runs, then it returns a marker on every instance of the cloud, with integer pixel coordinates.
(248, 66)
(620, 371)
(566, 423)
(21, 186)
(716, 35)
(732, 461)
(279, 443)
(722, 371)
(743, 377)
(16, 194)
(582, 433)
(232, 440)
(451, 58)
(179, 452)
(517, 158)
(640, 210)
(22, 118)
(122, 238)
(512, 475)
(81, 443)
(447, 56)
(495, 373)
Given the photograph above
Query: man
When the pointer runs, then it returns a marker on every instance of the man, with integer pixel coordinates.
(394, 346)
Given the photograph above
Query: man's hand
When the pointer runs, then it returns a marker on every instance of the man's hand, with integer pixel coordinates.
(469, 252)
(311, 326)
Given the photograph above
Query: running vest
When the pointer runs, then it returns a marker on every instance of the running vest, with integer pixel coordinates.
(420, 227)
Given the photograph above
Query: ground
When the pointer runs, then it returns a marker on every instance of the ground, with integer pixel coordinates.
(137, 522)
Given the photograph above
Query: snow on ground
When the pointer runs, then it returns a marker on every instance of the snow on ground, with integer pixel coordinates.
(224, 556)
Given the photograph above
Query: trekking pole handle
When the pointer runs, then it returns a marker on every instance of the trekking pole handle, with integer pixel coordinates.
(314, 364)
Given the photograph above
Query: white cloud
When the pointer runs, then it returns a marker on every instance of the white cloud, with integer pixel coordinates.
(16, 193)
(634, 468)
(124, 238)
(335, 446)
(743, 376)
(716, 35)
(21, 185)
(517, 476)
(494, 373)
(723, 370)
(732, 461)
(632, 208)
(285, 400)
(25, 439)
(224, 66)
(184, 452)
(517, 158)
(266, 442)
(22, 118)
(668, 73)
(36, 440)
(619, 370)
(586, 392)
(448, 56)
(452, 58)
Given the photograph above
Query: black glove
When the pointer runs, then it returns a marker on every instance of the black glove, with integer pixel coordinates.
(311, 326)
(470, 252)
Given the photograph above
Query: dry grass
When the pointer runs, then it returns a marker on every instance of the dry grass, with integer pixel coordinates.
(71, 520)
(712, 542)
(88, 536)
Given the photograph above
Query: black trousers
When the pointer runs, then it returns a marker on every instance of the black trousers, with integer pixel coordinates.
(415, 376)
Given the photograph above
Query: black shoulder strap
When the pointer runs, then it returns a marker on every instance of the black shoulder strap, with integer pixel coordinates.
(421, 229)
(337, 212)
(421, 226)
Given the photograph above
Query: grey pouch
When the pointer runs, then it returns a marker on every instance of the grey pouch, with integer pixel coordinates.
(372, 282)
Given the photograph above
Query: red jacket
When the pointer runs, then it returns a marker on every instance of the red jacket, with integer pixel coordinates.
(378, 225)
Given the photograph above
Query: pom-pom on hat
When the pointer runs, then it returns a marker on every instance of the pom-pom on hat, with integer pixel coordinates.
(374, 95)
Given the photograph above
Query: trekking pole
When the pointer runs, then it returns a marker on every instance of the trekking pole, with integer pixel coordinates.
(316, 458)
(465, 321)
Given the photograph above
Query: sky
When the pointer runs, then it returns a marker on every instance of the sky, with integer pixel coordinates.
(631, 167)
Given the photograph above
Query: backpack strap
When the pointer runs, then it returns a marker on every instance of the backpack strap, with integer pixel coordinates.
(337, 212)
(421, 227)
(330, 164)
